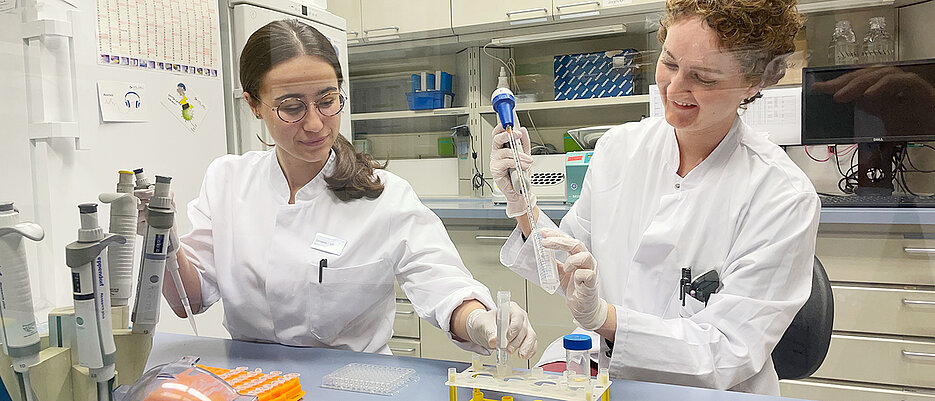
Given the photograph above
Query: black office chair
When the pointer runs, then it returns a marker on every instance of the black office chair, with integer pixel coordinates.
(805, 343)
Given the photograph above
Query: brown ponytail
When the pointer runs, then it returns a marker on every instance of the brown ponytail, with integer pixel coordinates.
(353, 176)
(280, 41)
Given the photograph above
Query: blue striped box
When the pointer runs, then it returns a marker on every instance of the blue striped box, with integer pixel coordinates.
(592, 75)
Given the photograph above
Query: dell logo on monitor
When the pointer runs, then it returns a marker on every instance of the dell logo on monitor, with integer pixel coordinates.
(878, 139)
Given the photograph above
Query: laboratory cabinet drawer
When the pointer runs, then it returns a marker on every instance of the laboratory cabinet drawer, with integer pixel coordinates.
(475, 15)
(898, 362)
(550, 317)
(877, 258)
(405, 347)
(399, 291)
(406, 323)
(480, 250)
(825, 391)
(884, 310)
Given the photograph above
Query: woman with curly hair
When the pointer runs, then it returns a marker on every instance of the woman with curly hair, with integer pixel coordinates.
(695, 193)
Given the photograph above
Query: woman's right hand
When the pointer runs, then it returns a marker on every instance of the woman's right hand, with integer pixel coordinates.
(501, 161)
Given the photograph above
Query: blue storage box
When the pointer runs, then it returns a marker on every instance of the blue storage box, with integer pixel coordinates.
(444, 79)
(427, 100)
(592, 75)
(440, 80)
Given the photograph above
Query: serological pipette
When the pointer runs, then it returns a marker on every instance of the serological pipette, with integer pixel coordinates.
(504, 103)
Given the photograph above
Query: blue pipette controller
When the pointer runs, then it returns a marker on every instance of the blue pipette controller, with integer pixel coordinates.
(504, 104)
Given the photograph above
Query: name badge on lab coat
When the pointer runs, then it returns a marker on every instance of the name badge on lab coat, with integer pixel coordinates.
(328, 244)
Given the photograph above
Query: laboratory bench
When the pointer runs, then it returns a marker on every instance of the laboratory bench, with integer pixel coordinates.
(485, 208)
(313, 363)
(881, 263)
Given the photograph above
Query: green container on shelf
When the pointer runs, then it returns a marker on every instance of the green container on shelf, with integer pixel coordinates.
(445, 146)
(570, 144)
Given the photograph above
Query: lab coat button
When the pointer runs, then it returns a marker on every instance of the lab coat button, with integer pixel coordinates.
(677, 186)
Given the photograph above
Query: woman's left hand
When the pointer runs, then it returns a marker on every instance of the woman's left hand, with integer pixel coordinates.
(578, 279)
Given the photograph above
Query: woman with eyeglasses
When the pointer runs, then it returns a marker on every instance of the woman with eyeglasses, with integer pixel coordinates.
(303, 242)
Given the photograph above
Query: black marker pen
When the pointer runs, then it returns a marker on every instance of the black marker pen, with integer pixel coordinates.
(321, 268)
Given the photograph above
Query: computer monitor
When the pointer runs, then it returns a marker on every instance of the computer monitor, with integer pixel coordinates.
(880, 107)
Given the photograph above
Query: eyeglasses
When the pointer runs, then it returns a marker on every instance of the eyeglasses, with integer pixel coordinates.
(293, 110)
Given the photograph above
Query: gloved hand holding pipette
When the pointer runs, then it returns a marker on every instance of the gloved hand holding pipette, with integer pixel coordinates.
(524, 201)
(482, 330)
(501, 161)
(160, 241)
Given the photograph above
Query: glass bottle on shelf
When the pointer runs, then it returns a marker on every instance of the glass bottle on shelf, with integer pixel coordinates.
(878, 45)
(843, 47)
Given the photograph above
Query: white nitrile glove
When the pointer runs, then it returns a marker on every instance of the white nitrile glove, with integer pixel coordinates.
(482, 330)
(501, 160)
(579, 280)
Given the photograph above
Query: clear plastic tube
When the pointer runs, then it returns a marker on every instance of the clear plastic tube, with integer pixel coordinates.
(503, 324)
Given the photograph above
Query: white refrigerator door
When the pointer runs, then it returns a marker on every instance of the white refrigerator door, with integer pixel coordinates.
(247, 19)
(62, 175)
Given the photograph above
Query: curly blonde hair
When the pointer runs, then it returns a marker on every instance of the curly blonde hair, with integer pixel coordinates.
(760, 32)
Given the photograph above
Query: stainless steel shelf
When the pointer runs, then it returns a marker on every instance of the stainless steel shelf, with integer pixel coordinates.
(577, 103)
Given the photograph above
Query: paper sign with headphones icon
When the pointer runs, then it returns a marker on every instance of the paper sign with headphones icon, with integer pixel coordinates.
(122, 101)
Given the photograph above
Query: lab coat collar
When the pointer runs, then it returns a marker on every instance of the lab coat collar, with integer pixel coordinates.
(311, 190)
(717, 157)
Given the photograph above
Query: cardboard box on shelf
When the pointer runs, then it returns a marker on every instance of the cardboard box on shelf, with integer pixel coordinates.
(797, 61)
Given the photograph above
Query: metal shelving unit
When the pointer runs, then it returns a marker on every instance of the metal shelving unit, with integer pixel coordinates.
(578, 103)
(389, 115)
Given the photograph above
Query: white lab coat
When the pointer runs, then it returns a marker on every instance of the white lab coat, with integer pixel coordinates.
(258, 252)
(746, 211)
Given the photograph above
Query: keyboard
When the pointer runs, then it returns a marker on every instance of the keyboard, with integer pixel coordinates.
(876, 201)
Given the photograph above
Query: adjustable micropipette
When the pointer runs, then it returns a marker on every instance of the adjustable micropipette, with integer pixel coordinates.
(504, 103)
(19, 336)
(123, 211)
(160, 217)
(142, 180)
(94, 330)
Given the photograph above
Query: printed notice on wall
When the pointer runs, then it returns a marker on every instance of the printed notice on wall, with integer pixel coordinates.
(179, 36)
(778, 114)
(7, 5)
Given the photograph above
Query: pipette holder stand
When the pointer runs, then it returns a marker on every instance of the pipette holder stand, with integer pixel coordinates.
(58, 377)
(533, 383)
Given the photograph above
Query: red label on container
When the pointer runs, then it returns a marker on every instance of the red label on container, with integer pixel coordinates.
(575, 158)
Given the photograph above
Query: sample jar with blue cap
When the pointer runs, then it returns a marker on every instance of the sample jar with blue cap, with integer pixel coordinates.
(577, 353)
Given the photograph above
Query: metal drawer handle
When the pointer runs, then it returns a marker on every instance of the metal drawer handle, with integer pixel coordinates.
(497, 237)
(528, 10)
(918, 354)
(918, 303)
(355, 33)
(395, 28)
(406, 312)
(402, 349)
(583, 3)
(920, 251)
